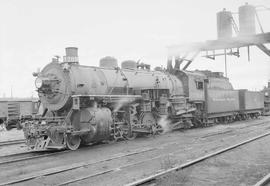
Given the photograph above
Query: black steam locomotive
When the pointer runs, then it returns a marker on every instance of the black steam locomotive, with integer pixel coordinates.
(87, 104)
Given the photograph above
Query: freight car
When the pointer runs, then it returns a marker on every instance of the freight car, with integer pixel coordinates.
(86, 104)
(15, 110)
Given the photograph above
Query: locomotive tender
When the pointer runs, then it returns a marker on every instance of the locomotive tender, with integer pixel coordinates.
(86, 104)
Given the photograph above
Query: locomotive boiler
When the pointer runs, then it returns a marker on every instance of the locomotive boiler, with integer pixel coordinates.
(87, 104)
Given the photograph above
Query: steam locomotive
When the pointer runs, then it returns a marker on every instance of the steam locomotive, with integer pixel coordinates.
(86, 104)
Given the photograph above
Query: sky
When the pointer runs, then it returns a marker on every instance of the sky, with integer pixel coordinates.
(33, 31)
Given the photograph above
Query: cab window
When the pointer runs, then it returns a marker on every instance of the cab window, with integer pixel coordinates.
(199, 85)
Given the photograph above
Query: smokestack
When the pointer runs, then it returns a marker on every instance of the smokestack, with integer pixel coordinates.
(71, 55)
(268, 84)
(72, 51)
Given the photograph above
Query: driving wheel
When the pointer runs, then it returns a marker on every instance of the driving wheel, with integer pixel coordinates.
(73, 141)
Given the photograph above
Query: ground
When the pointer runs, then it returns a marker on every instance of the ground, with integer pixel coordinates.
(242, 166)
(148, 155)
(12, 134)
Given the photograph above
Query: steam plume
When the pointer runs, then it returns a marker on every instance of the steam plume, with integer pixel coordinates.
(165, 124)
(120, 104)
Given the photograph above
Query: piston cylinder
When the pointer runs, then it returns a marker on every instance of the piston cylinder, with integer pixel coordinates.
(95, 121)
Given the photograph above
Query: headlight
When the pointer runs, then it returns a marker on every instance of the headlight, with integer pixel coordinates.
(38, 82)
(266, 94)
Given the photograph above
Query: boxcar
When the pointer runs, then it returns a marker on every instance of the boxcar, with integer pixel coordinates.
(12, 110)
(251, 101)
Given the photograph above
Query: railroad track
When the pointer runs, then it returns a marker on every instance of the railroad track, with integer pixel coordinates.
(64, 168)
(12, 142)
(56, 170)
(13, 158)
(139, 182)
(264, 181)
(195, 161)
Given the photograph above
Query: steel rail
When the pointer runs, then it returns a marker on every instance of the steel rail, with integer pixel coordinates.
(265, 180)
(48, 153)
(112, 170)
(190, 163)
(85, 177)
(65, 168)
(33, 156)
(12, 142)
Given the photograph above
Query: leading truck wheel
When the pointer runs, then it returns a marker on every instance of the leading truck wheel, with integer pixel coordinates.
(73, 142)
(131, 137)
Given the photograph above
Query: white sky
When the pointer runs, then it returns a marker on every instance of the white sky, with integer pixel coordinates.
(33, 31)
